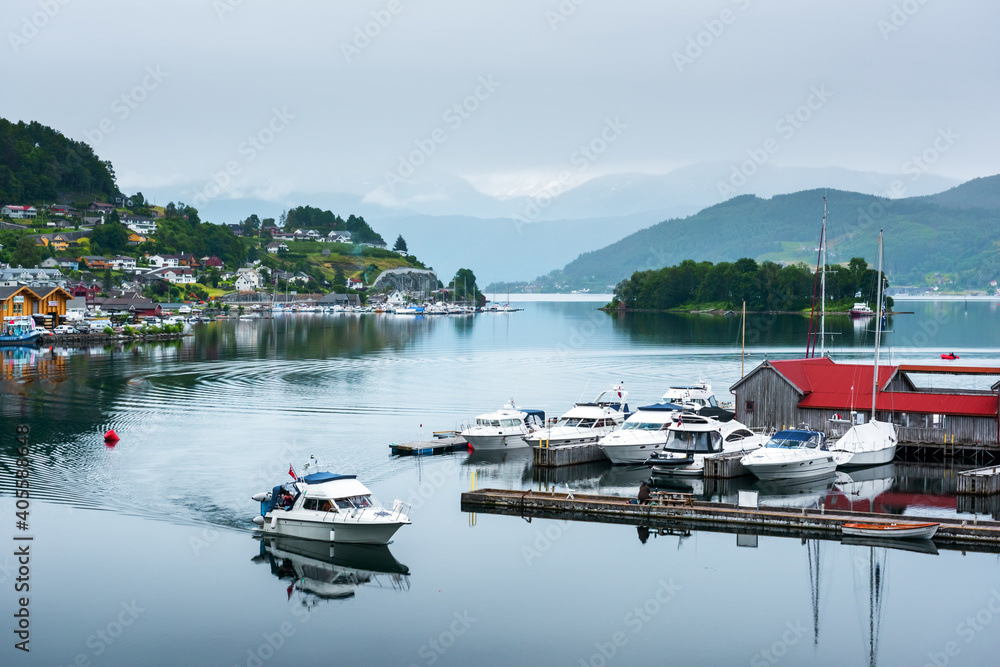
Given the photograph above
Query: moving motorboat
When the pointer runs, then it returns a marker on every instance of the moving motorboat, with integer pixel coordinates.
(504, 428)
(323, 505)
(20, 330)
(696, 435)
(918, 531)
(791, 454)
(951, 356)
(644, 432)
(332, 571)
(585, 422)
(861, 309)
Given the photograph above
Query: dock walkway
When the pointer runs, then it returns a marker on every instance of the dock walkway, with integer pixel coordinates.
(975, 535)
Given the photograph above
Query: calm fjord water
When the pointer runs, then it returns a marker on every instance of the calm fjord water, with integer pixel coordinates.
(143, 554)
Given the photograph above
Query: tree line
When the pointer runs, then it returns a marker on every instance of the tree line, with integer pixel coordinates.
(763, 286)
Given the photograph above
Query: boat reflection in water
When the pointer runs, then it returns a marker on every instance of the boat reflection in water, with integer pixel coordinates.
(326, 571)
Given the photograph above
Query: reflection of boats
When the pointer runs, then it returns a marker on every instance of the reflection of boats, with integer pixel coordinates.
(860, 487)
(331, 571)
(20, 330)
(916, 546)
(791, 454)
(329, 507)
(692, 437)
(504, 428)
(585, 422)
(915, 531)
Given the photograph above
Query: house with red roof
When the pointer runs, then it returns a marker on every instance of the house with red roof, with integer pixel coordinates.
(830, 397)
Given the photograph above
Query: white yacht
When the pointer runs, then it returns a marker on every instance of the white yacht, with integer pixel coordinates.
(504, 428)
(691, 397)
(643, 433)
(694, 436)
(585, 422)
(326, 506)
(792, 454)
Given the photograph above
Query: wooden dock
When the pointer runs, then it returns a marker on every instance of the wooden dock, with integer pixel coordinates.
(429, 447)
(566, 455)
(684, 512)
(980, 481)
(725, 466)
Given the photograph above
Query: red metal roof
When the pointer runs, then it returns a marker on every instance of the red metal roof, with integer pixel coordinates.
(950, 370)
(827, 385)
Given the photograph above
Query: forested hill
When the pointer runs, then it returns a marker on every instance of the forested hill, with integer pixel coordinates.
(922, 238)
(39, 164)
(977, 193)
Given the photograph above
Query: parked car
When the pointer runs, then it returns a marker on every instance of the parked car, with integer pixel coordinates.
(64, 329)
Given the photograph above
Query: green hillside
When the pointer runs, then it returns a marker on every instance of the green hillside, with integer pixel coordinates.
(977, 193)
(39, 164)
(923, 238)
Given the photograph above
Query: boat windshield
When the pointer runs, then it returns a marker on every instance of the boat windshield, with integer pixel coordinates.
(644, 426)
(576, 422)
(488, 422)
(693, 441)
(510, 422)
(354, 501)
(787, 440)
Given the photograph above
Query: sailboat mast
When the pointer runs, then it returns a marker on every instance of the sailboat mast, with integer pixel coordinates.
(878, 323)
(822, 307)
(743, 347)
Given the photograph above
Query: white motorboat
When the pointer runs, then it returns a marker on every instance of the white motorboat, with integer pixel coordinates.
(691, 397)
(504, 428)
(872, 443)
(791, 454)
(585, 422)
(694, 436)
(330, 507)
(642, 434)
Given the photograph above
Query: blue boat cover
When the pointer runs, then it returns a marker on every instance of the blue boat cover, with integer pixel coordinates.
(320, 477)
(795, 434)
(662, 406)
(536, 413)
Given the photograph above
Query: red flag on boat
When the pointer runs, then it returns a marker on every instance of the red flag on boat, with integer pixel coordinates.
(291, 471)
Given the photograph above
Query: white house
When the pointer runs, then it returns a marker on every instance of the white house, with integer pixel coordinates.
(160, 261)
(339, 237)
(139, 224)
(177, 275)
(122, 263)
(19, 212)
(354, 284)
(247, 280)
(274, 246)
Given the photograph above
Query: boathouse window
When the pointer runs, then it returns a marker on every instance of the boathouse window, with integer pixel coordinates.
(749, 406)
(936, 421)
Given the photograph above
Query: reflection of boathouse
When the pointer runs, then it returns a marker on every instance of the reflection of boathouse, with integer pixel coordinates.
(822, 394)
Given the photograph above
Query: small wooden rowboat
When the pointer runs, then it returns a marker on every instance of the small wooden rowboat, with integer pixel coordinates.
(921, 531)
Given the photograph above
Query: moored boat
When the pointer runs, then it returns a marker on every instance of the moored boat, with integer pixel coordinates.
(585, 422)
(791, 454)
(643, 433)
(694, 436)
(20, 330)
(504, 428)
(918, 531)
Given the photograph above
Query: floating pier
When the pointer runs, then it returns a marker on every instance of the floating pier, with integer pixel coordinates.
(682, 511)
(567, 455)
(430, 447)
(980, 481)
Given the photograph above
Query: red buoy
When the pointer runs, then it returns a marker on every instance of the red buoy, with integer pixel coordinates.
(111, 436)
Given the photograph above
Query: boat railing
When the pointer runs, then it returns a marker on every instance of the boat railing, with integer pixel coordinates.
(399, 508)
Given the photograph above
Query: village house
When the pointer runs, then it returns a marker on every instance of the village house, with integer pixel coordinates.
(67, 263)
(135, 305)
(212, 262)
(277, 246)
(175, 275)
(123, 263)
(247, 280)
(95, 263)
(63, 211)
(100, 207)
(335, 299)
(159, 261)
(34, 277)
(139, 224)
(15, 212)
(355, 284)
(24, 300)
(187, 259)
(135, 238)
(339, 237)
(60, 241)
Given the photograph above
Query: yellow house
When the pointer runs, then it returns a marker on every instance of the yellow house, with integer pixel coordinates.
(51, 301)
(15, 301)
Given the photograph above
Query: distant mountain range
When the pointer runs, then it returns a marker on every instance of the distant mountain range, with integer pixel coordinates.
(449, 224)
(954, 233)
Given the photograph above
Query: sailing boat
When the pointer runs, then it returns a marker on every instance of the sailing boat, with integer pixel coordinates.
(873, 443)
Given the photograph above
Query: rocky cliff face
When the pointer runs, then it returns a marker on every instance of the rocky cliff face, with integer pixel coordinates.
(417, 282)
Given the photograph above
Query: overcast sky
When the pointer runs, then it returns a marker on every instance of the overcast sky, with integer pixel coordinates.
(172, 92)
